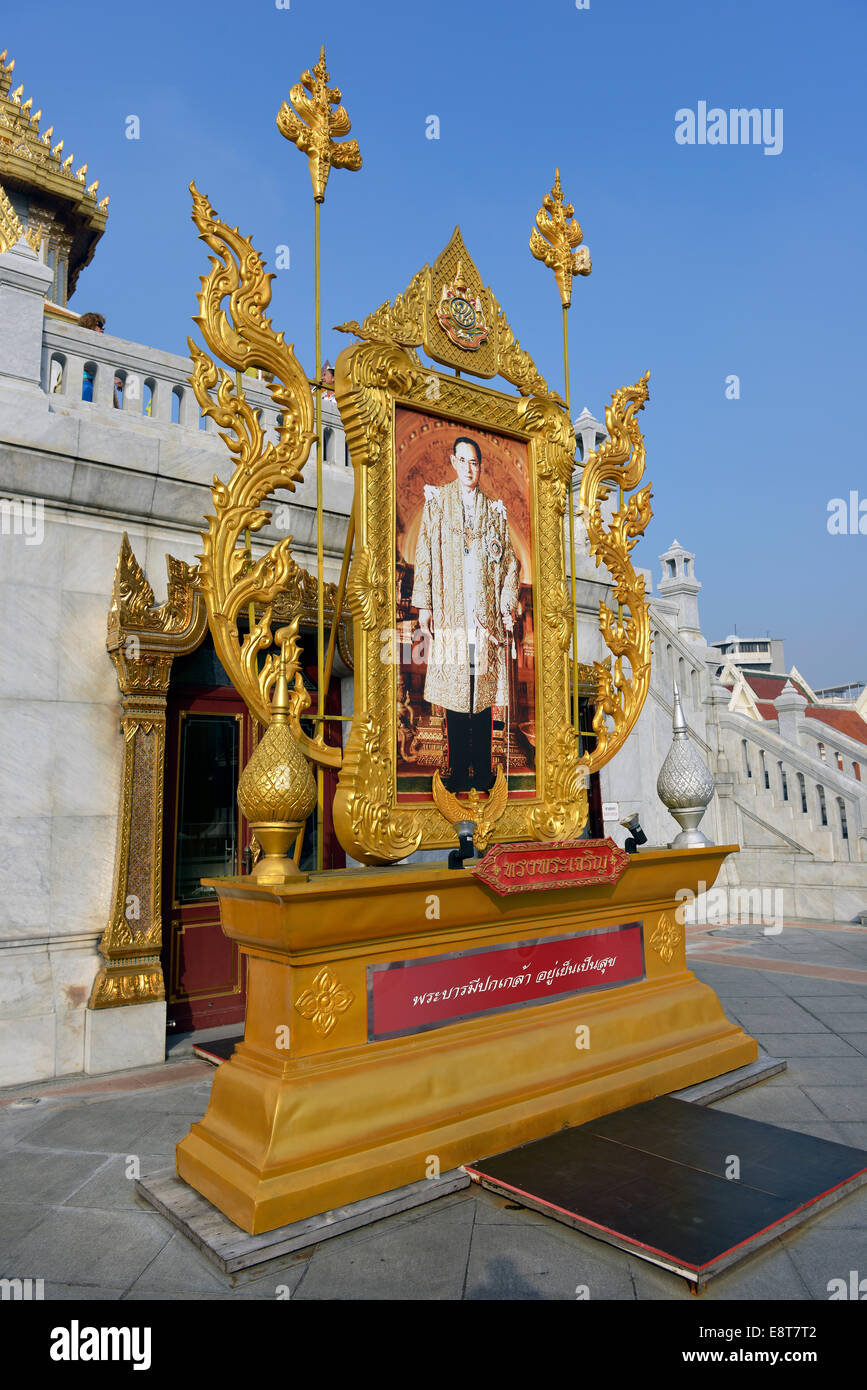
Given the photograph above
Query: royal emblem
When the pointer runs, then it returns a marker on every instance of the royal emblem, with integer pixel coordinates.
(461, 315)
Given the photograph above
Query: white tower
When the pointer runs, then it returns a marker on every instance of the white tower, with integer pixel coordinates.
(679, 583)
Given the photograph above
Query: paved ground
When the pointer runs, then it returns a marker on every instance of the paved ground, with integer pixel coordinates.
(69, 1213)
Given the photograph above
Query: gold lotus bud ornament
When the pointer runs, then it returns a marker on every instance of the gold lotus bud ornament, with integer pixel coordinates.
(276, 790)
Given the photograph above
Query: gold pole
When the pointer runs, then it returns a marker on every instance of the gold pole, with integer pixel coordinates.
(308, 120)
(556, 242)
(320, 548)
(248, 539)
(338, 600)
(571, 533)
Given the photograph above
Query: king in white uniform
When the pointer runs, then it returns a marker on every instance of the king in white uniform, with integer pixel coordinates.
(466, 590)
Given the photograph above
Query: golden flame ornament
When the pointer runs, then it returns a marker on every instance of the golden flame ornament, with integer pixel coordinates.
(312, 126)
(619, 462)
(244, 338)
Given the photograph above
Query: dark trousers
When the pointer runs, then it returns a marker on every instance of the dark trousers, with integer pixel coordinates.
(470, 747)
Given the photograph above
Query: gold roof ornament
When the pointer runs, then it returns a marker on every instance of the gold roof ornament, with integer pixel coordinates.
(29, 163)
(313, 126)
(11, 230)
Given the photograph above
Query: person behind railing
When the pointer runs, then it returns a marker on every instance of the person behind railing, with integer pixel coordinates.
(96, 324)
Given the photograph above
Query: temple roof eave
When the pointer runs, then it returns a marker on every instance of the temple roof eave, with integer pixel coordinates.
(31, 162)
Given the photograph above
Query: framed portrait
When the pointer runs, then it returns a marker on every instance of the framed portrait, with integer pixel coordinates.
(463, 643)
(458, 592)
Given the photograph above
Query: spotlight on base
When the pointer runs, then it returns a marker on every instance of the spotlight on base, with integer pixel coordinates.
(636, 834)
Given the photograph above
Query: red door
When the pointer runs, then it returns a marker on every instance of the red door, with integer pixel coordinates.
(209, 737)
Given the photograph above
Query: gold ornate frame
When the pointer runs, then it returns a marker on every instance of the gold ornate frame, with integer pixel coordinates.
(373, 377)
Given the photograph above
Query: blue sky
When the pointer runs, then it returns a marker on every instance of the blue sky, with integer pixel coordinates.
(707, 260)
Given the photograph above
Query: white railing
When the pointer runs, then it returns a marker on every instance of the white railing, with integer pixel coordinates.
(96, 371)
(796, 759)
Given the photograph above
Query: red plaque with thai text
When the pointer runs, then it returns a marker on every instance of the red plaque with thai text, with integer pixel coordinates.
(529, 867)
(412, 996)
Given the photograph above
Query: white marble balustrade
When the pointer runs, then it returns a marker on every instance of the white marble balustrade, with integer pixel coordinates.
(142, 381)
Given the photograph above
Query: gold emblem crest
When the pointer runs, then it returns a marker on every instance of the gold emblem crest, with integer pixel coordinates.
(461, 315)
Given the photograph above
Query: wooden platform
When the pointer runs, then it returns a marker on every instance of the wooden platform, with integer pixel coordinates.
(653, 1179)
(233, 1250)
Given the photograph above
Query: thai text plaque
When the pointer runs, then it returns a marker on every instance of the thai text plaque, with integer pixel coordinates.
(412, 996)
(529, 867)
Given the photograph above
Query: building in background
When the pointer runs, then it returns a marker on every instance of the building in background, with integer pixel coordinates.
(757, 653)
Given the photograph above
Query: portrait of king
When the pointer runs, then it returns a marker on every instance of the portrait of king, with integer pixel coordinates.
(465, 692)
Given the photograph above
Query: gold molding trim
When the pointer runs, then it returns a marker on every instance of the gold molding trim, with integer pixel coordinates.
(371, 378)
(142, 642)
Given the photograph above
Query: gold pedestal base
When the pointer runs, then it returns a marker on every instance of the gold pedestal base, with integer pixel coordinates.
(309, 1115)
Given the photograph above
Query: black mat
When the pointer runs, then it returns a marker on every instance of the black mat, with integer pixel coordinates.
(652, 1179)
(218, 1050)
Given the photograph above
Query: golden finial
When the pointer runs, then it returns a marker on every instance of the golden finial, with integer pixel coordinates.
(27, 105)
(16, 95)
(103, 207)
(67, 164)
(46, 138)
(92, 187)
(36, 118)
(80, 173)
(312, 126)
(58, 149)
(276, 791)
(554, 238)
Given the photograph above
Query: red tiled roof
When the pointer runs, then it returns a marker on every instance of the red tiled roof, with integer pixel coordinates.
(845, 721)
(769, 687)
(766, 709)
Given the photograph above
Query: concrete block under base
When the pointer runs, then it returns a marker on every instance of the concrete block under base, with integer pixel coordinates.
(133, 1035)
(231, 1249)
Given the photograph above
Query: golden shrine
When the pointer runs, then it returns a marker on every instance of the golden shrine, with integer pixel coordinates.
(379, 1046)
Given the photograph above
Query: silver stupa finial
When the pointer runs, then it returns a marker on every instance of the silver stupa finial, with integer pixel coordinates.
(685, 785)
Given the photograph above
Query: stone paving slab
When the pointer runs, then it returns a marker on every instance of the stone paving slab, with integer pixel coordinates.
(795, 1045)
